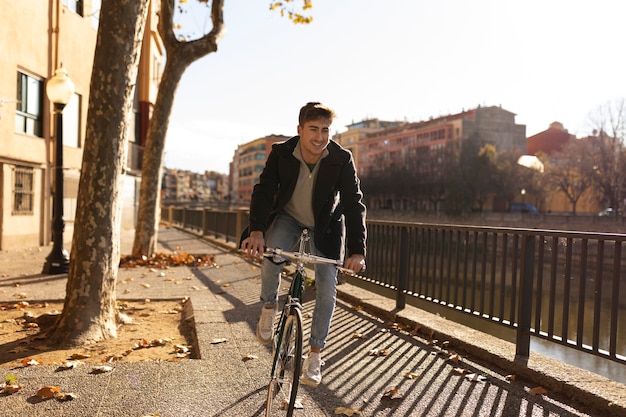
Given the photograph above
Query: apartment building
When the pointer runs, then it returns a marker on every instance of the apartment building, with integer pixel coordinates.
(36, 38)
(549, 142)
(356, 132)
(186, 186)
(428, 140)
(248, 163)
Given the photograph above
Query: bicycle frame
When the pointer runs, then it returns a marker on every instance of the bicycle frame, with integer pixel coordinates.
(287, 356)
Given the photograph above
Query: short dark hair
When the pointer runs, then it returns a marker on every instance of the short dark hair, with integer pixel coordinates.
(315, 111)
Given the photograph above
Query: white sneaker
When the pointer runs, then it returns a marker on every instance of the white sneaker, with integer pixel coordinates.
(312, 372)
(265, 326)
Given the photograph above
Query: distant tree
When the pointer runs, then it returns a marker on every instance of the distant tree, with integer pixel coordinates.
(481, 172)
(609, 152)
(181, 52)
(511, 178)
(570, 171)
(89, 309)
(471, 179)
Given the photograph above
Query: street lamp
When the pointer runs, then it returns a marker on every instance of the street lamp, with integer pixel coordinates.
(60, 90)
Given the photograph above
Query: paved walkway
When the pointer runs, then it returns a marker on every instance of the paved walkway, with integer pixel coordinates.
(221, 383)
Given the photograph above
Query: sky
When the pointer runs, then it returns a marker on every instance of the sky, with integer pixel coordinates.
(544, 60)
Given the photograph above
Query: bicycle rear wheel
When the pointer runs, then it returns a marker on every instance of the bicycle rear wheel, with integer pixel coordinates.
(283, 386)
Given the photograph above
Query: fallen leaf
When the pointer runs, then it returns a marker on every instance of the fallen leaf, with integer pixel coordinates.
(31, 362)
(538, 391)
(101, 369)
(393, 326)
(348, 411)
(145, 285)
(181, 349)
(461, 371)
(172, 311)
(392, 394)
(219, 340)
(80, 356)
(113, 358)
(379, 352)
(249, 357)
(70, 364)
(454, 358)
(10, 388)
(411, 375)
(49, 391)
(475, 377)
(357, 335)
(357, 308)
(69, 396)
(510, 377)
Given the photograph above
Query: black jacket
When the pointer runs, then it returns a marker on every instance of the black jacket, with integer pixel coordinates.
(337, 192)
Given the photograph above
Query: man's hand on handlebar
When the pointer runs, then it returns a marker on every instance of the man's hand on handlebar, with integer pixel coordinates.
(254, 245)
(355, 263)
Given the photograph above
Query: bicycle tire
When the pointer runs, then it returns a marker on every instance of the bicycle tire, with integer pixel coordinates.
(283, 386)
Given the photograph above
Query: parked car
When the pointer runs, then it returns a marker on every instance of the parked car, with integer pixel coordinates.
(523, 208)
(607, 212)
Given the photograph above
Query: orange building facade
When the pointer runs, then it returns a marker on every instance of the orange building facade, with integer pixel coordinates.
(247, 165)
(36, 38)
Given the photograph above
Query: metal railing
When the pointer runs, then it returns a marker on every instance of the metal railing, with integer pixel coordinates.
(565, 287)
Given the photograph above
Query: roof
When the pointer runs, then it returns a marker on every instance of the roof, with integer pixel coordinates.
(549, 141)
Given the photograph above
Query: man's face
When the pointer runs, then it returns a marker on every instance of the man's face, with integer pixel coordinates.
(314, 136)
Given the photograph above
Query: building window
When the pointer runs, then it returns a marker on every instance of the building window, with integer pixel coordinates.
(74, 5)
(29, 108)
(22, 191)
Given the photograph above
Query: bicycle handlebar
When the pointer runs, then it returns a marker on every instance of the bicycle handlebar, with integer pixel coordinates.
(305, 258)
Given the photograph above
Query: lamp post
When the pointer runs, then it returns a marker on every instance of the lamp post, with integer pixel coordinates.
(59, 90)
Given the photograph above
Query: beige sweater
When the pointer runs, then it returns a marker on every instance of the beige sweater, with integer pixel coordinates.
(300, 207)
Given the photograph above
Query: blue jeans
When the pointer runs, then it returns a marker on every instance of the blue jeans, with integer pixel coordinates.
(284, 233)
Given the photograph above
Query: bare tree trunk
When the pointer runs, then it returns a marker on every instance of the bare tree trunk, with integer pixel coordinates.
(180, 55)
(147, 218)
(89, 310)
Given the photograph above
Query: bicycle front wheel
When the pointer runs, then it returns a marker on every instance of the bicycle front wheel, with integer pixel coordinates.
(283, 386)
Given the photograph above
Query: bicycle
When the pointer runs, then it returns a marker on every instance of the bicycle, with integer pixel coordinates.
(287, 352)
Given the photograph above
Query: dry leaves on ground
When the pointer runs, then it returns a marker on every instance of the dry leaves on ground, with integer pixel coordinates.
(166, 260)
(156, 332)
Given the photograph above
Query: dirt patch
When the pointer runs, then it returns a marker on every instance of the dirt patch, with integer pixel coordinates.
(155, 332)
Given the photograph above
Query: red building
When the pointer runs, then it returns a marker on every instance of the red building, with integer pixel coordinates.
(549, 141)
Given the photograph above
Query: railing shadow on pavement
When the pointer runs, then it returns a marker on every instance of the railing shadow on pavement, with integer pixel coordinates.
(359, 379)
(361, 382)
(229, 409)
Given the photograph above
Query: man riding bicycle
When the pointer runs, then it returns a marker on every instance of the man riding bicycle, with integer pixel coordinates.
(309, 181)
